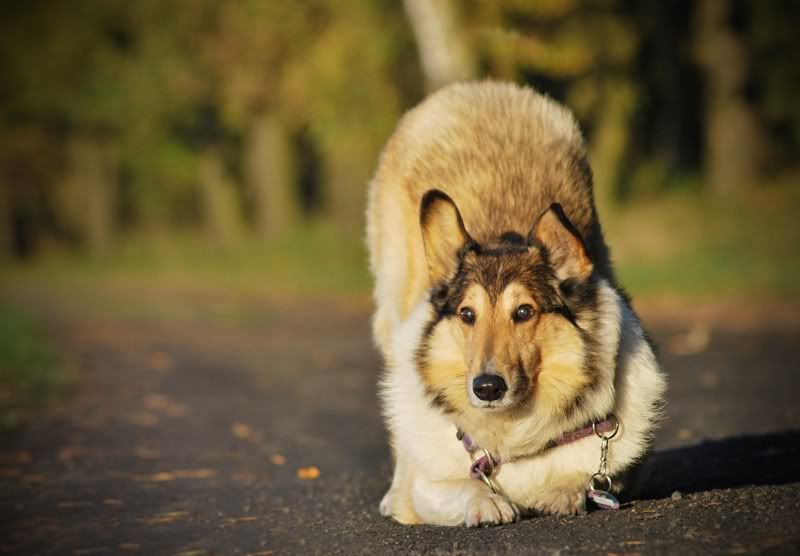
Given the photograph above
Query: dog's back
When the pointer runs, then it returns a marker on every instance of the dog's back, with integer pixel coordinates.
(503, 153)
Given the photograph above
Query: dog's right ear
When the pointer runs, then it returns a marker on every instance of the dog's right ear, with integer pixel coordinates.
(443, 235)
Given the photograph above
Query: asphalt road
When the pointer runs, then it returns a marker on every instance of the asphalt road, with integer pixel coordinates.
(252, 427)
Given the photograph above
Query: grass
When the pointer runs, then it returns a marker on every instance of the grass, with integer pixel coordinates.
(306, 260)
(680, 244)
(690, 246)
(30, 371)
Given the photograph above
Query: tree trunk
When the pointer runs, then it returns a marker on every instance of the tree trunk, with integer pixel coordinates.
(611, 139)
(347, 168)
(443, 54)
(6, 235)
(734, 137)
(221, 208)
(270, 176)
(87, 197)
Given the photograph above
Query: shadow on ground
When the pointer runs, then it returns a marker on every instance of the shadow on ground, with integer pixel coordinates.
(766, 459)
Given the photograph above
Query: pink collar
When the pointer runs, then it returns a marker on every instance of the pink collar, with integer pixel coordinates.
(486, 466)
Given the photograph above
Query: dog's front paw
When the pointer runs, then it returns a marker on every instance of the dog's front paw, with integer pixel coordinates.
(564, 501)
(490, 509)
(386, 504)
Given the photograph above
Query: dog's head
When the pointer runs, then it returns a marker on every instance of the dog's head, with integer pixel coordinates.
(505, 333)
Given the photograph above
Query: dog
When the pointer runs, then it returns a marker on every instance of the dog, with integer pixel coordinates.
(509, 349)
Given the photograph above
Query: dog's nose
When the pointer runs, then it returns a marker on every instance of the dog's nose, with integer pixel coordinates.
(489, 387)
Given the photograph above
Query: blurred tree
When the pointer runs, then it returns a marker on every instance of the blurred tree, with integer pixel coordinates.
(248, 52)
(735, 142)
(579, 52)
(443, 53)
(88, 192)
(774, 40)
(344, 85)
(65, 84)
(156, 115)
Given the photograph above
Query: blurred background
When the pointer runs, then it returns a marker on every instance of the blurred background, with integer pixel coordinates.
(157, 148)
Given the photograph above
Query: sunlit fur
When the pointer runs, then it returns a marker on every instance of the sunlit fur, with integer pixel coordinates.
(461, 214)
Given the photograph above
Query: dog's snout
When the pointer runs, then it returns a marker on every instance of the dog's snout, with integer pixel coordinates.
(489, 388)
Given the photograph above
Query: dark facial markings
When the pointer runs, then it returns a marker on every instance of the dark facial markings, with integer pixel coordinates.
(494, 269)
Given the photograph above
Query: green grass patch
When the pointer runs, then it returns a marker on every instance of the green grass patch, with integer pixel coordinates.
(311, 259)
(30, 371)
(679, 243)
(694, 246)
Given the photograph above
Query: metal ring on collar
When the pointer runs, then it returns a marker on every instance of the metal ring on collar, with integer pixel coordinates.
(613, 434)
(600, 477)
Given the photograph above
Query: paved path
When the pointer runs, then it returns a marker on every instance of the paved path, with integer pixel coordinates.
(226, 427)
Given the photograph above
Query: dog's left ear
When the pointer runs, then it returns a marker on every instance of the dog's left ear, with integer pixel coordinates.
(565, 247)
(443, 235)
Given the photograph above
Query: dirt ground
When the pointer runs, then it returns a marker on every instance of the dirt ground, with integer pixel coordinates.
(214, 426)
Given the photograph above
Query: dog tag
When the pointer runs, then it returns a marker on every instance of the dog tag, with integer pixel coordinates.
(603, 500)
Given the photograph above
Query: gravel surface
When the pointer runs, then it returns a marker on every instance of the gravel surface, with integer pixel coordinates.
(255, 430)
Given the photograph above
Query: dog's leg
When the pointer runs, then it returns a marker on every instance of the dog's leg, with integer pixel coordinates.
(397, 503)
(565, 494)
(466, 501)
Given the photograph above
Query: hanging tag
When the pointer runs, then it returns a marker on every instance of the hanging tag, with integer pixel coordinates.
(603, 500)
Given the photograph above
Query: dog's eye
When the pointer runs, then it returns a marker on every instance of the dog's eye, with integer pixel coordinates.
(523, 313)
(467, 315)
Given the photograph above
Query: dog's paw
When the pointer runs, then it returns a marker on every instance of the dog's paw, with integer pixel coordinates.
(385, 506)
(490, 509)
(564, 501)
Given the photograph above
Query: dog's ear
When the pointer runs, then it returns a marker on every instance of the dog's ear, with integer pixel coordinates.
(565, 247)
(443, 235)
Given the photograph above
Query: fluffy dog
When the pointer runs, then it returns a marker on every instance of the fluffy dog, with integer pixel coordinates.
(498, 314)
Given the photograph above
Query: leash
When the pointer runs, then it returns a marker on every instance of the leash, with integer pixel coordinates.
(485, 466)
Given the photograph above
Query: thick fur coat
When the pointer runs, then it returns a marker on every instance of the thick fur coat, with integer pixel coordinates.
(497, 311)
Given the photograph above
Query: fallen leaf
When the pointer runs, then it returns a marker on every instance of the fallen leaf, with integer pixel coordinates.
(308, 473)
(68, 453)
(278, 459)
(633, 542)
(695, 340)
(160, 361)
(242, 519)
(195, 473)
(9, 473)
(244, 477)
(165, 476)
(710, 379)
(160, 477)
(155, 401)
(159, 402)
(243, 431)
(23, 457)
(113, 502)
(146, 453)
(75, 504)
(142, 418)
(163, 518)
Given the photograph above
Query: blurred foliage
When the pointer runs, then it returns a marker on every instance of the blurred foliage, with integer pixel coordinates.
(253, 127)
(29, 369)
